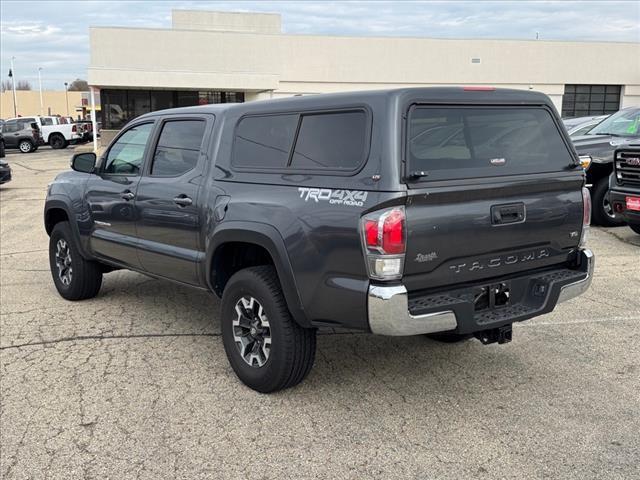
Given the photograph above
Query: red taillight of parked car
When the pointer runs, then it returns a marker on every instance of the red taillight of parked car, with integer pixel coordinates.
(74, 128)
(384, 237)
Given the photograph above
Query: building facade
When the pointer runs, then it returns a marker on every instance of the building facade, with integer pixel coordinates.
(213, 57)
(54, 102)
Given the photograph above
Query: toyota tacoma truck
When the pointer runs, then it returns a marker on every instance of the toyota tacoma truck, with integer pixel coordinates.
(450, 212)
(625, 185)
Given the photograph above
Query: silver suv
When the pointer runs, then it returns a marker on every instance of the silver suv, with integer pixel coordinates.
(23, 134)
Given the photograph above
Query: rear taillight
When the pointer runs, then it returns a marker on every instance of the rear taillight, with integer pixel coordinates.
(586, 215)
(384, 238)
(74, 129)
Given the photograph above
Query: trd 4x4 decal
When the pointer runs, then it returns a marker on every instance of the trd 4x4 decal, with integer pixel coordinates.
(351, 198)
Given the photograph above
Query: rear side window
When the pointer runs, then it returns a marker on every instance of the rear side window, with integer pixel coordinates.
(458, 142)
(27, 123)
(178, 147)
(333, 141)
(264, 141)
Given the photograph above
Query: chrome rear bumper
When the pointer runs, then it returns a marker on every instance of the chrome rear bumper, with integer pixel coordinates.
(578, 288)
(389, 314)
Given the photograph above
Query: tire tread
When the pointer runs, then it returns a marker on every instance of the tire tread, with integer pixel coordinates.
(299, 343)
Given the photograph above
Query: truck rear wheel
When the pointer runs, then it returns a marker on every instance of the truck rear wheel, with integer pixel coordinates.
(75, 277)
(266, 348)
(57, 141)
(602, 210)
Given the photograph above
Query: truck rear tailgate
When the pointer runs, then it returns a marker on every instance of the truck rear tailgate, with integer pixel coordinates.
(492, 191)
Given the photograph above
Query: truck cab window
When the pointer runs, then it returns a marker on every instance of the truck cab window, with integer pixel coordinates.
(126, 155)
(178, 148)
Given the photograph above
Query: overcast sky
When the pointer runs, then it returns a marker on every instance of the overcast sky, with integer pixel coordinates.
(54, 35)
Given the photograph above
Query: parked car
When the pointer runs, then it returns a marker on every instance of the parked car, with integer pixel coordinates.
(624, 190)
(22, 133)
(58, 133)
(599, 143)
(5, 172)
(304, 212)
(86, 127)
(582, 126)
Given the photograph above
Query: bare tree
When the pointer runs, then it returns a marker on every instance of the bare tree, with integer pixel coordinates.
(79, 85)
(20, 85)
(23, 85)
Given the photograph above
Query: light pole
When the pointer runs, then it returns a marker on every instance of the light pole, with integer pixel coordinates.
(40, 86)
(13, 81)
(66, 94)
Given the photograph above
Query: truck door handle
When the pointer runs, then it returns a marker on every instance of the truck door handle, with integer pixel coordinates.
(505, 214)
(183, 200)
(128, 196)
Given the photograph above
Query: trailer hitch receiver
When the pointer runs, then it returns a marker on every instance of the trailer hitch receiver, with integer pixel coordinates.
(498, 335)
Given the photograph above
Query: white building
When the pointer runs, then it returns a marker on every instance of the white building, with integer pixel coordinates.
(210, 57)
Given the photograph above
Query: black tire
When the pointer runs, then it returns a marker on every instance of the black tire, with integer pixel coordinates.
(635, 227)
(292, 348)
(602, 210)
(86, 276)
(449, 337)
(57, 141)
(26, 146)
(2, 154)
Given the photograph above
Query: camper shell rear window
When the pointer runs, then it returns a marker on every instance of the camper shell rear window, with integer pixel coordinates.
(457, 142)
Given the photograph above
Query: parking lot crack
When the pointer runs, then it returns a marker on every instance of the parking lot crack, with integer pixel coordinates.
(107, 337)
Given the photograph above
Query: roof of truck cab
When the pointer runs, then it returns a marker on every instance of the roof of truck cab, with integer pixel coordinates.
(453, 95)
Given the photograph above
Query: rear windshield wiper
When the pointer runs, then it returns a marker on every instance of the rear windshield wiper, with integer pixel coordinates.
(610, 134)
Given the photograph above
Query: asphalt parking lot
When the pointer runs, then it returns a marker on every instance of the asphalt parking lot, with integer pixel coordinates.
(135, 383)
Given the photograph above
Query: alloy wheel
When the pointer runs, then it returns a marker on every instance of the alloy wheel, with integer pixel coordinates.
(25, 147)
(63, 262)
(607, 207)
(252, 332)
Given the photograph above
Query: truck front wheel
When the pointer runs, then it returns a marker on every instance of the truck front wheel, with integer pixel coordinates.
(266, 348)
(602, 210)
(75, 277)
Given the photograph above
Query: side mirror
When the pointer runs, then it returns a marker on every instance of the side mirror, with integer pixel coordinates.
(84, 162)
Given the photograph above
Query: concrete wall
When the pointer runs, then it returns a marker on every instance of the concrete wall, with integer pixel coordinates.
(226, 21)
(184, 59)
(29, 103)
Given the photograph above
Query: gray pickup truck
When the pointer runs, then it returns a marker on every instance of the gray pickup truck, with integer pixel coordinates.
(451, 212)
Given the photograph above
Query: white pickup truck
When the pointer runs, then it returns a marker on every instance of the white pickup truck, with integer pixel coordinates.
(57, 132)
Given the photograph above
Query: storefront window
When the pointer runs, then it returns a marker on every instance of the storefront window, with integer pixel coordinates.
(121, 106)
